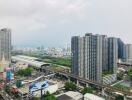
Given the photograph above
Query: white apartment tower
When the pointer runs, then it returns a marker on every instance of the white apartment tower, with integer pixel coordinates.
(92, 54)
(87, 56)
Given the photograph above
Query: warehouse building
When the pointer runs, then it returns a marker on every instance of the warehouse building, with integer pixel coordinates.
(31, 61)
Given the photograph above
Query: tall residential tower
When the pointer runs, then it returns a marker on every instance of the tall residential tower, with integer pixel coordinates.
(87, 56)
(93, 54)
(128, 52)
(5, 47)
(112, 54)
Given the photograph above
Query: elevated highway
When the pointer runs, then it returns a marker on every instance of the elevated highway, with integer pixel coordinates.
(107, 87)
(124, 64)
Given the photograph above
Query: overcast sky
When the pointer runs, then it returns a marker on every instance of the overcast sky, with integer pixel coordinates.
(53, 22)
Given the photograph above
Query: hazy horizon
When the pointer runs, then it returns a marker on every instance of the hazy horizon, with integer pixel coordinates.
(51, 23)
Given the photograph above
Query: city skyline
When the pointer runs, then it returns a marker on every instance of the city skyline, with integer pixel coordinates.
(53, 22)
(65, 50)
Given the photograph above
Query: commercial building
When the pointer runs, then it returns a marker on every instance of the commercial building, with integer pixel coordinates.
(5, 47)
(93, 54)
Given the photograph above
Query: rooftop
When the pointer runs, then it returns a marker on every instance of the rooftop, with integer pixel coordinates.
(92, 97)
(70, 95)
(30, 60)
(64, 97)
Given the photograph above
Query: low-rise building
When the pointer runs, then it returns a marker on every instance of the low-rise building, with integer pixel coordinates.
(51, 88)
(35, 91)
(31, 61)
(70, 95)
(89, 96)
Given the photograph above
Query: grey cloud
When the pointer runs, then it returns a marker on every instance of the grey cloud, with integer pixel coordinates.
(53, 22)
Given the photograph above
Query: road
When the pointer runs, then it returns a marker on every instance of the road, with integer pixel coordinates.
(5, 96)
(1, 98)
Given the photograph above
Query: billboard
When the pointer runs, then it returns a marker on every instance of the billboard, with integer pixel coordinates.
(7, 75)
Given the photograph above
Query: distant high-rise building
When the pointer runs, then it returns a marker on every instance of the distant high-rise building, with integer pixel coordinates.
(128, 52)
(121, 49)
(112, 54)
(5, 45)
(105, 53)
(93, 54)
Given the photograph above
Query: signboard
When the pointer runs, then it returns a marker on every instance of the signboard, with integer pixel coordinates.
(4, 76)
(7, 75)
(18, 83)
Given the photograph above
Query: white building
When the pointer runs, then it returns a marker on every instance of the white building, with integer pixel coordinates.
(31, 61)
(89, 96)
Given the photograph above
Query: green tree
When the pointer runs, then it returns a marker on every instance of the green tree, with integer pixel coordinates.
(7, 88)
(87, 90)
(119, 98)
(35, 98)
(70, 86)
(49, 96)
(130, 75)
(105, 73)
(120, 76)
(16, 95)
(25, 72)
(58, 61)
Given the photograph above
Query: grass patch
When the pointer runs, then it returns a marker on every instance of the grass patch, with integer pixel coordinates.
(57, 61)
(122, 87)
